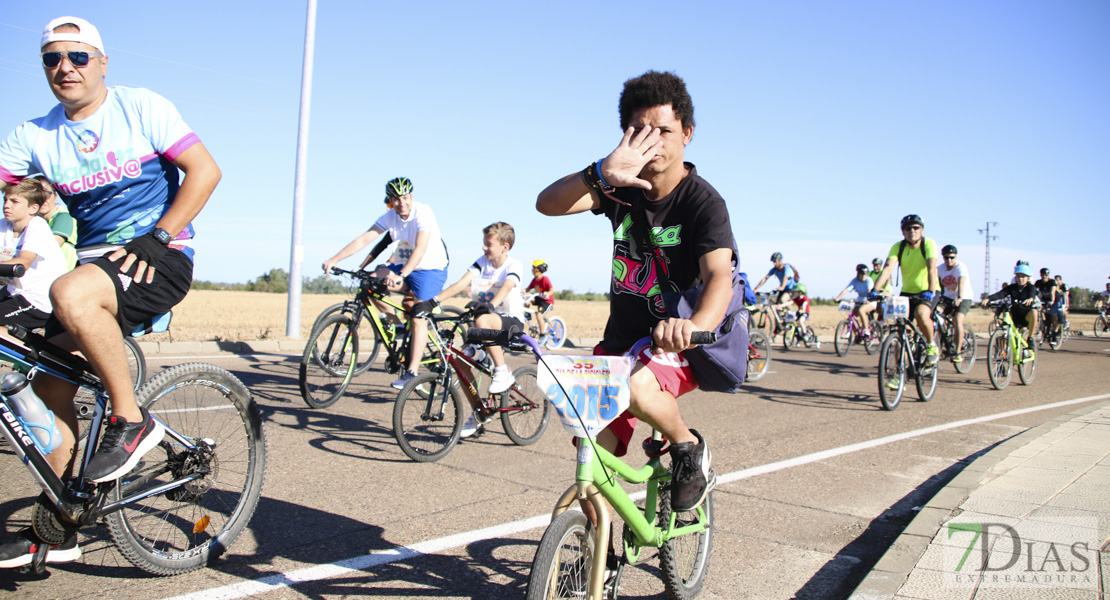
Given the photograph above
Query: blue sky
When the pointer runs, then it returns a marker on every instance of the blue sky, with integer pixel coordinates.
(821, 123)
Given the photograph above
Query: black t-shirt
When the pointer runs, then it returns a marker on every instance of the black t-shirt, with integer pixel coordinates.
(689, 222)
(1044, 288)
(1017, 294)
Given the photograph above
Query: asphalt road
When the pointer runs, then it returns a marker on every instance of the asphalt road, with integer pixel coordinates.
(817, 482)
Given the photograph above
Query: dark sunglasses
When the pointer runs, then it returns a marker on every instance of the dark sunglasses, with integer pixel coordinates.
(951, 257)
(911, 228)
(77, 58)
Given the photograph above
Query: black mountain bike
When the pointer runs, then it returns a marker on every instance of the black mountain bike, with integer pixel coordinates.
(902, 357)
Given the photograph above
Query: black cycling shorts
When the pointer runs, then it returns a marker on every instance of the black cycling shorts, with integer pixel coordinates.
(16, 310)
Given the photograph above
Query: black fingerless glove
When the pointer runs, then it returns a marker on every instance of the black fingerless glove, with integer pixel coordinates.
(425, 308)
(146, 248)
(479, 308)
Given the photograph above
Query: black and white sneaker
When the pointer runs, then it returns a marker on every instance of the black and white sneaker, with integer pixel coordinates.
(123, 446)
(690, 473)
(19, 552)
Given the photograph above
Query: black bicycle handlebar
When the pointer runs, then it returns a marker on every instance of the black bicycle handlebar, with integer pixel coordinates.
(476, 335)
(12, 270)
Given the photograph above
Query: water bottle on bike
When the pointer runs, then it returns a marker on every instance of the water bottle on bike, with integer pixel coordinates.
(31, 412)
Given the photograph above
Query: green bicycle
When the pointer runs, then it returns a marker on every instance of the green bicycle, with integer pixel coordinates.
(571, 561)
(1008, 347)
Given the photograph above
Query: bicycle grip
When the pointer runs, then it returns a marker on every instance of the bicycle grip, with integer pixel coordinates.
(703, 337)
(475, 335)
(12, 270)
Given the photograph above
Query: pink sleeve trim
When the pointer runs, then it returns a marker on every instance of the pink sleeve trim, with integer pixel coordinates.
(8, 178)
(182, 145)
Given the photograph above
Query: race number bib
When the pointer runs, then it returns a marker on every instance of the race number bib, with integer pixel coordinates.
(596, 390)
(846, 306)
(484, 290)
(898, 306)
(401, 254)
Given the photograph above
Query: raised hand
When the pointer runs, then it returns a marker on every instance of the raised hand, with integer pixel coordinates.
(623, 165)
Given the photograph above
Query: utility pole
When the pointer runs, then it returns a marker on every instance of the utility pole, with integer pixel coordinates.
(296, 254)
(987, 260)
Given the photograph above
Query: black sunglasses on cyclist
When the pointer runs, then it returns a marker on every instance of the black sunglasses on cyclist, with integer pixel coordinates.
(950, 257)
(77, 58)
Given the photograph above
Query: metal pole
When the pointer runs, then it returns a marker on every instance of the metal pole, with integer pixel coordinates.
(296, 254)
(987, 259)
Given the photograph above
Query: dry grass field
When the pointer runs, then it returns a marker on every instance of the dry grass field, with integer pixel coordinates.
(245, 316)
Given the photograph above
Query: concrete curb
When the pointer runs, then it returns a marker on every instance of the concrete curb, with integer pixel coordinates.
(893, 569)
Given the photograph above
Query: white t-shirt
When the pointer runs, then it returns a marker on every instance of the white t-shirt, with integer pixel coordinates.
(488, 280)
(950, 280)
(49, 263)
(404, 232)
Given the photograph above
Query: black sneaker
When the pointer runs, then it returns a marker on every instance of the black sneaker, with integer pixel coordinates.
(19, 553)
(122, 446)
(689, 473)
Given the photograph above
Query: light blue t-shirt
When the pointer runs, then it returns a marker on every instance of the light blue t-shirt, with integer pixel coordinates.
(113, 170)
(861, 288)
(787, 273)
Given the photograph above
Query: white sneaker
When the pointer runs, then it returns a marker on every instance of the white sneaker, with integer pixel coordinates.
(502, 380)
(470, 427)
(403, 379)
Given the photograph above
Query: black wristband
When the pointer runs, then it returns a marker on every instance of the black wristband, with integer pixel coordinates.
(146, 248)
(593, 179)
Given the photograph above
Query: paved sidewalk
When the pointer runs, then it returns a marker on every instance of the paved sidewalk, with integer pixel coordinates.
(1034, 510)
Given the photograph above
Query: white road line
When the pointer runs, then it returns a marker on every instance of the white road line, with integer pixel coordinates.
(384, 557)
(194, 357)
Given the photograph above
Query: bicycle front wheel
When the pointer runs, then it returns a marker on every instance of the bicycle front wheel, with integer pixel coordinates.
(1027, 370)
(970, 347)
(759, 355)
(328, 362)
(684, 560)
(926, 379)
(892, 371)
(214, 433)
(428, 416)
(999, 359)
(788, 337)
(525, 411)
(556, 332)
(1100, 326)
(561, 568)
(842, 338)
(375, 348)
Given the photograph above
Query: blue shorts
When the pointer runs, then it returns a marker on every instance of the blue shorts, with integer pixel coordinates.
(424, 284)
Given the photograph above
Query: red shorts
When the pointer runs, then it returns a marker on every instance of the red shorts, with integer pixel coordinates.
(674, 376)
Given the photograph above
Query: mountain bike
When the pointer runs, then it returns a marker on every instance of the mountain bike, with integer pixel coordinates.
(944, 328)
(330, 359)
(429, 412)
(793, 335)
(188, 499)
(850, 332)
(1053, 334)
(902, 356)
(764, 317)
(1008, 347)
(759, 355)
(1102, 323)
(570, 561)
(556, 330)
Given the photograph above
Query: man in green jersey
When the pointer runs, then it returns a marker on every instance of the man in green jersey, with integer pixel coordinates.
(917, 257)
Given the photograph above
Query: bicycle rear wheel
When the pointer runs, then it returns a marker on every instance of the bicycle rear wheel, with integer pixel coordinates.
(842, 338)
(892, 371)
(428, 416)
(561, 568)
(970, 347)
(684, 560)
(999, 359)
(327, 364)
(188, 526)
(759, 355)
(1100, 326)
(556, 332)
(525, 411)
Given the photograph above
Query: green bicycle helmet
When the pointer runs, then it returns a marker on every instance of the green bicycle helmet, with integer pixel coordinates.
(800, 288)
(398, 186)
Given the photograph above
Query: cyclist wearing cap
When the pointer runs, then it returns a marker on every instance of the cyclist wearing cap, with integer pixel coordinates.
(785, 274)
(916, 256)
(862, 285)
(958, 297)
(115, 156)
(412, 225)
(1046, 288)
(1025, 300)
(542, 293)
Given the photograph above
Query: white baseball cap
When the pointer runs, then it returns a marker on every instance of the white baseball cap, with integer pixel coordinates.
(86, 34)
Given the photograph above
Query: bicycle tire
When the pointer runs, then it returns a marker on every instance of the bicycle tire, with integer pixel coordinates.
(684, 560)
(428, 416)
(1100, 326)
(556, 332)
(1027, 370)
(871, 344)
(561, 567)
(375, 347)
(525, 411)
(999, 359)
(926, 378)
(811, 338)
(891, 367)
(1057, 337)
(188, 527)
(759, 355)
(970, 347)
(788, 336)
(842, 338)
(327, 364)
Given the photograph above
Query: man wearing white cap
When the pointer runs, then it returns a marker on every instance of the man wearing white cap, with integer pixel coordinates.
(113, 155)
